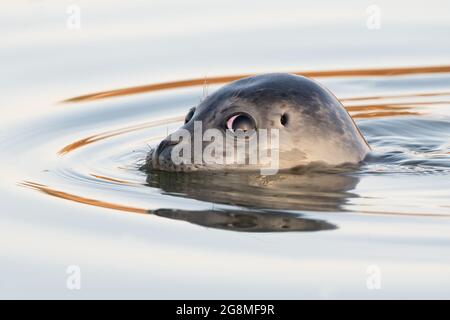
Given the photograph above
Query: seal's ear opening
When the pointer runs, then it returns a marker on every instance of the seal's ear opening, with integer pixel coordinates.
(284, 119)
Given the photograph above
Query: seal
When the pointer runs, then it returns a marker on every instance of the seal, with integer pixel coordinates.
(312, 124)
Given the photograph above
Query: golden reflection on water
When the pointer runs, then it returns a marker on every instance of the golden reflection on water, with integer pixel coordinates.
(382, 110)
(108, 134)
(390, 110)
(225, 79)
(68, 196)
(409, 95)
(111, 179)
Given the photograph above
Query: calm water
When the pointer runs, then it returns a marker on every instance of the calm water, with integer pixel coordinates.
(82, 108)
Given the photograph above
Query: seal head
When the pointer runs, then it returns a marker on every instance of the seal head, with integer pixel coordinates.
(313, 125)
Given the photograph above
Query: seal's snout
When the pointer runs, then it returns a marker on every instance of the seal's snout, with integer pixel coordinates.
(164, 144)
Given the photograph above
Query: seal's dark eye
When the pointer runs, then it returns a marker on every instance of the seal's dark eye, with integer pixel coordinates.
(240, 122)
(284, 119)
(189, 115)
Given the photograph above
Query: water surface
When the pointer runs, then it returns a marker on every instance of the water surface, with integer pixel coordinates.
(82, 108)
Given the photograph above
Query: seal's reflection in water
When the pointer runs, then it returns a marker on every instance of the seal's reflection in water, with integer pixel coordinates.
(247, 220)
(263, 198)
